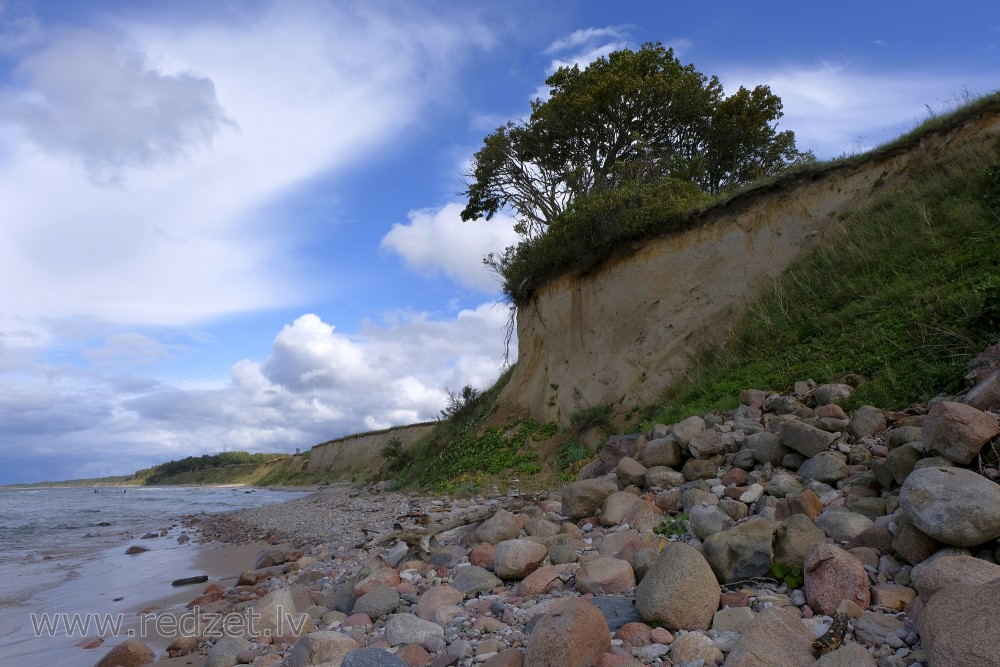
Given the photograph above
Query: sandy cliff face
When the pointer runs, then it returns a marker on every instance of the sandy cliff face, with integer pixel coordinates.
(625, 329)
(361, 454)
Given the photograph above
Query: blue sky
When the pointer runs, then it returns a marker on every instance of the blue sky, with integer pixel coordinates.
(234, 225)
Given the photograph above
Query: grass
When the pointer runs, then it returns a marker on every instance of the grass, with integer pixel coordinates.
(905, 292)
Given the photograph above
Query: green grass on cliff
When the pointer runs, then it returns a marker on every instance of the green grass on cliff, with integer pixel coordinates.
(901, 296)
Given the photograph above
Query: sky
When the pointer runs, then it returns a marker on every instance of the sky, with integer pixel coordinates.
(235, 225)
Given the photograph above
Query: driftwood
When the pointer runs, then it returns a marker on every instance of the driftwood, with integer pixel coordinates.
(420, 535)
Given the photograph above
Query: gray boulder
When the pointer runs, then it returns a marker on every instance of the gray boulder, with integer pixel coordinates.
(383, 600)
(767, 447)
(867, 421)
(827, 467)
(843, 525)
(953, 505)
(321, 647)
(662, 452)
(410, 629)
(679, 590)
(805, 439)
(708, 520)
(957, 431)
(742, 552)
(960, 626)
(583, 498)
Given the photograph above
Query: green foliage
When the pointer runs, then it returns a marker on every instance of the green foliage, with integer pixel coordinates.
(902, 295)
(633, 116)
(459, 401)
(395, 456)
(789, 575)
(672, 526)
(572, 452)
(160, 473)
(490, 450)
(598, 416)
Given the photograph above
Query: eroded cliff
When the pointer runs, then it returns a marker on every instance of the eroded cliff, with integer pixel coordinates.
(623, 330)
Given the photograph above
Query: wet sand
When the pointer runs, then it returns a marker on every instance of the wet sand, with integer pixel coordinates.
(122, 588)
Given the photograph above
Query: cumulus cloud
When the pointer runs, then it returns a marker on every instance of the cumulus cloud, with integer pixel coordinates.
(438, 241)
(107, 105)
(315, 384)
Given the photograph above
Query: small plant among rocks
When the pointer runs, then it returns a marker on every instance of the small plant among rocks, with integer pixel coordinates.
(672, 526)
(789, 575)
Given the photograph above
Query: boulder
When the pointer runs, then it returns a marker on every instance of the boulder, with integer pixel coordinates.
(516, 559)
(384, 576)
(776, 637)
(539, 582)
(951, 569)
(953, 505)
(410, 629)
(850, 654)
(901, 461)
(499, 527)
(379, 602)
(828, 393)
(373, 657)
(680, 591)
(685, 430)
(986, 394)
(615, 506)
(911, 544)
(130, 653)
(700, 469)
(630, 472)
(831, 575)
(438, 596)
(867, 421)
(873, 627)
(574, 634)
(583, 498)
(705, 443)
(662, 452)
(793, 538)
(472, 580)
(605, 576)
(707, 520)
(805, 439)
(662, 477)
(321, 647)
(614, 449)
(957, 431)
(694, 646)
(827, 467)
(742, 552)
(767, 448)
(960, 625)
(843, 525)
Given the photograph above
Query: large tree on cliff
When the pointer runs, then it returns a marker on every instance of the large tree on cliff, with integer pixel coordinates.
(631, 116)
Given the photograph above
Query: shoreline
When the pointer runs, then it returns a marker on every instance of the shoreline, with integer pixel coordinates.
(101, 586)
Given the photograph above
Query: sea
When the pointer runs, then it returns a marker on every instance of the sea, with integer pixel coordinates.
(62, 556)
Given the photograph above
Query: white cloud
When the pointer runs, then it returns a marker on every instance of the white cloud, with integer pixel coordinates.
(439, 241)
(314, 385)
(836, 108)
(105, 104)
(310, 88)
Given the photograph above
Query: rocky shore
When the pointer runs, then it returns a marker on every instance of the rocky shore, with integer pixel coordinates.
(785, 532)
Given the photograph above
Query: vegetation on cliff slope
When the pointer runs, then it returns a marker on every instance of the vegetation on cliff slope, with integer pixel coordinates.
(897, 300)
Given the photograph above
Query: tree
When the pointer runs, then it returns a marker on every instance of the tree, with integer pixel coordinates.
(633, 116)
